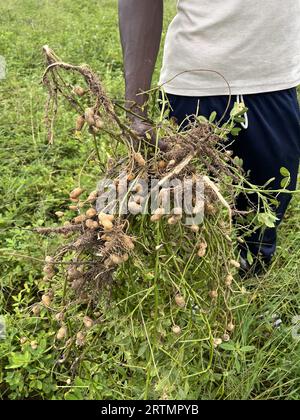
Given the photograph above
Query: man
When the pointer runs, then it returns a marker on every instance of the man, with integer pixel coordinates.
(255, 46)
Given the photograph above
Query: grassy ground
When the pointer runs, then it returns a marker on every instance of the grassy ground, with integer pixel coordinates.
(261, 362)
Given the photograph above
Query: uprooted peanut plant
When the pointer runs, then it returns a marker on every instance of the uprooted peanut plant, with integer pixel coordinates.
(149, 290)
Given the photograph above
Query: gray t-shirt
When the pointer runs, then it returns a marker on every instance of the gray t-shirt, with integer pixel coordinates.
(253, 44)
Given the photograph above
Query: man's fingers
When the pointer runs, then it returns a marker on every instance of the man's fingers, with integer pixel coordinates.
(147, 134)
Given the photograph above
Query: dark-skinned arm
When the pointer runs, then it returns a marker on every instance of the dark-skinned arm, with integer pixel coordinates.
(140, 30)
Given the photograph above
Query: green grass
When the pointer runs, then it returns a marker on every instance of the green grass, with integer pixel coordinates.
(261, 362)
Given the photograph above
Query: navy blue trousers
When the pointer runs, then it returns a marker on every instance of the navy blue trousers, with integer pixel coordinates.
(271, 141)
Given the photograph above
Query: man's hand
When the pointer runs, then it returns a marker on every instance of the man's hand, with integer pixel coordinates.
(146, 134)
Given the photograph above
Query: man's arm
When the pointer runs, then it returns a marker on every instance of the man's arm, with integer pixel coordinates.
(140, 29)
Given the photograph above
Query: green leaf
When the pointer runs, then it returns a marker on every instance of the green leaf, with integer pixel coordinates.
(285, 182)
(238, 110)
(238, 161)
(267, 219)
(275, 202)
(142, 349)
(202, 119)
(235, 131)
(237, 365)
(72, 396)
(285, 172)
(18, 360)
(247, 349)
(250, 258)
(228, 346)
(212, 117)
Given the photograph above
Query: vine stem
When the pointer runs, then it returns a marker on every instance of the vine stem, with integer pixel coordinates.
(96, 148)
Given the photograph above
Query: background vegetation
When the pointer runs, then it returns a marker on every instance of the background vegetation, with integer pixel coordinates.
(260, 362)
